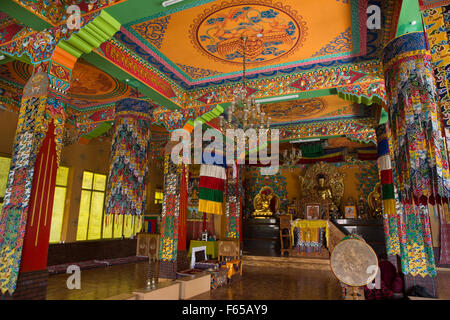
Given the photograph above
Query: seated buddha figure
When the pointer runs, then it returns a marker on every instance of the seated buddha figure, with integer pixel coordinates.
(262, 205)
(323, 192)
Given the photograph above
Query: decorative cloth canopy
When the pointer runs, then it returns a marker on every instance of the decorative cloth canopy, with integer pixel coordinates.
(126, 189)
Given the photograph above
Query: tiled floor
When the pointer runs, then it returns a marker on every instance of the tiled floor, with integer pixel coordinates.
(264, 283)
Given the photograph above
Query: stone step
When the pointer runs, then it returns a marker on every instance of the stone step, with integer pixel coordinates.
(287, 262)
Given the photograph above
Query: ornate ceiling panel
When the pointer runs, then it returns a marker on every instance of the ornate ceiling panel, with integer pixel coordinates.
(90, 88)
(326, 107)
(201, 45)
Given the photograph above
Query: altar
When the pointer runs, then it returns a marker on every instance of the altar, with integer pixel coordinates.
(309, 237)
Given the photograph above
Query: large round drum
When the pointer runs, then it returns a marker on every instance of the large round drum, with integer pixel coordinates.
(354, 262)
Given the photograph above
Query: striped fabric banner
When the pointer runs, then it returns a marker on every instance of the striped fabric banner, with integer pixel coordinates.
(385, 168)
(212, 186)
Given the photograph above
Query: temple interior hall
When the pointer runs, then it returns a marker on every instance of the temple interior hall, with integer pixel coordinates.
(224, 150)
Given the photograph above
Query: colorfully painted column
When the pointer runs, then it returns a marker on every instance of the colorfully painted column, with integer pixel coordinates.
(128, 170)
(420, 156)
(27, 209)
(437, 26)
(233, 202)
(172, 254)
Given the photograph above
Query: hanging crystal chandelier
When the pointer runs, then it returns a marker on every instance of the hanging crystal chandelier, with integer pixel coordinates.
(291, 157)
(244, 112)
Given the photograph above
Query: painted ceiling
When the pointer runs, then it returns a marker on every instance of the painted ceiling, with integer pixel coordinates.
(191, 55)
(201, 45)
(91, 87)
(319, 108)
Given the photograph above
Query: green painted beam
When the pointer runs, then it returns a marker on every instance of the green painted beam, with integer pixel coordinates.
(6, 59)
(383, 117)
(133, 10)
(409, 12)
(21, 14)
(101, 129)
(91, 36)
(121, 75)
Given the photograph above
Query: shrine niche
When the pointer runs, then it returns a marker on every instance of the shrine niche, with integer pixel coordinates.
(266, 203)
(322, 184)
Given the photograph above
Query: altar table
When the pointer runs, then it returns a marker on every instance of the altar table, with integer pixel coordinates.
(311, 224)
(211, 247)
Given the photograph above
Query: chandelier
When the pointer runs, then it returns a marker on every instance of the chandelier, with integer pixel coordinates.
(244, 112)
(291, 157)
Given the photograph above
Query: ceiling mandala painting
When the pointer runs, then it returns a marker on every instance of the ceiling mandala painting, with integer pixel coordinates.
(271, 32)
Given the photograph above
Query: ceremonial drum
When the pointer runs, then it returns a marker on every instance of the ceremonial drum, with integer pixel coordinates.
(354, 263)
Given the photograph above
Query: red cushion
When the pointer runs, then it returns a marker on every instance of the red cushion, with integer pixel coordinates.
(397, 285)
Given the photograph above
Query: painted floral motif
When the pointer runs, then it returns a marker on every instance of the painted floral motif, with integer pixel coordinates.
(153, 31)
(341, 44)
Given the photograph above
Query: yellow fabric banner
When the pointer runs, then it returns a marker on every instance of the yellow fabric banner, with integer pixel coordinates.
(210, 206)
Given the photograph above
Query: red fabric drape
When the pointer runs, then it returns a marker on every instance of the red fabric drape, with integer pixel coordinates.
(37, 233)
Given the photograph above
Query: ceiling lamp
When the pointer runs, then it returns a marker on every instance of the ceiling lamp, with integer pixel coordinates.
(244, 112)
(170, 2)
(291, 157)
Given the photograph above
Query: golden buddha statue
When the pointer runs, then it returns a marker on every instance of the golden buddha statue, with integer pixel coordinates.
(374, 201)
(262, 203)
(323, 192)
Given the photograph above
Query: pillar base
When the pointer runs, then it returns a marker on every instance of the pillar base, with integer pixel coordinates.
(30, 286)
(169, 269)
(429, 283)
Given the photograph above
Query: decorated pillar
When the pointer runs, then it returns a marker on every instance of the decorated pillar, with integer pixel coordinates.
(172, 255)
(128, 169)
(27, 209)
(233, 203)
(419, 153)
(437, 25)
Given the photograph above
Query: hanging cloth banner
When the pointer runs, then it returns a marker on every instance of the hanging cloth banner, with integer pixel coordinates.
(212, 185)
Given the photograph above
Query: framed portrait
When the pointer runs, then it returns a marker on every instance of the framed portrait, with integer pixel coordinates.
(350, 212)
(313, 211)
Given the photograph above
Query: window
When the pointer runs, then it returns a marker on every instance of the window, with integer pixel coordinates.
(93, 224)
(59, 204)
(5, 163)
(158, 196)
(91, 206)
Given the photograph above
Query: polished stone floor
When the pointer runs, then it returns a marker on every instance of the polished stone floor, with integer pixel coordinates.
(273, 283)
(99, 283)
(257, 283)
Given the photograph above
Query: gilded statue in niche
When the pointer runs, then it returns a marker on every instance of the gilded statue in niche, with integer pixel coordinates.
(322, 182)
(266, 203)
(374, 200)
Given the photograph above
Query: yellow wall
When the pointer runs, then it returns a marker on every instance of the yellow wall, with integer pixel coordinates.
(8, 124)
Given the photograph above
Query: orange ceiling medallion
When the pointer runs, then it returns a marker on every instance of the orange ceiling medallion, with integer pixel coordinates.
(273, 31)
